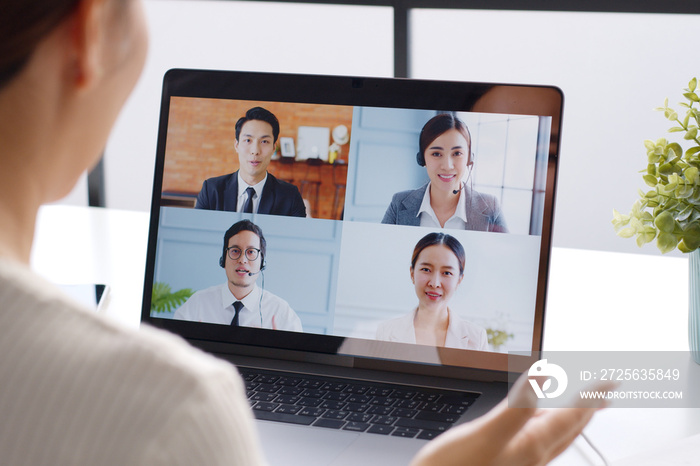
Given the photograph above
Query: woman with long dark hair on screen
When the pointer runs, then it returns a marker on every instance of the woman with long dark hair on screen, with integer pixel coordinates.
(78, 389)
(437, 269)
(448, 199)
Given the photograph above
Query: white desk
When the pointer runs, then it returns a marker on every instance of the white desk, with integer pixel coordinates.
(597, 301)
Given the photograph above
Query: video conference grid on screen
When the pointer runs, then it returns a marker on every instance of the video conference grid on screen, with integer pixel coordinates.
(420, 226)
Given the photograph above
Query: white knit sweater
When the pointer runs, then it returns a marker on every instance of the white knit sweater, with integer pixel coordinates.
(76, 389)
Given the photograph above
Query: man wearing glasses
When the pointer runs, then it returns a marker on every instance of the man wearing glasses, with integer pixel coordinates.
(239, 301)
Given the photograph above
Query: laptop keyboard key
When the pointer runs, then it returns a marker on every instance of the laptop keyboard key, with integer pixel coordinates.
(333, 386)
(315, 412)
(263, 406)
(408, 413)
(335, 414)
(336, 396)
(289, 409)
(356, 426)
(284, 417)
(357, 389)
(289, 381)
(362, 399)
(455, 409)
(360, 417)
(440, 417)
(380, 429)
(428, 434)
(327, 404)
(313, 393)
(380, 410)
(311, 384)
(310, 402)
(418, 424)
(329, 423)
(294, 391)
(263, 397)
(429, 397)
(267, 379)
(405, 432)
(384, 420)
(267, 388)
(357, 407)
(287, 399)
(382, 392)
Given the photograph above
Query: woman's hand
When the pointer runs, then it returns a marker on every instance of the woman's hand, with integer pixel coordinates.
(512, 436)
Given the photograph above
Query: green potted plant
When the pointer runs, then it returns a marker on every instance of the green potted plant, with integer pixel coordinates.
(670, 211)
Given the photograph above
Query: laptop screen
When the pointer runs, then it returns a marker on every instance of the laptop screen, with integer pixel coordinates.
(395, 222)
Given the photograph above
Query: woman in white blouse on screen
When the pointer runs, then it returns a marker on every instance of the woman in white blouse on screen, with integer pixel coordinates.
(437, 269)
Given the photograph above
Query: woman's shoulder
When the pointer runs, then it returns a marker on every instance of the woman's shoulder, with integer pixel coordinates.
(69, 356)
(411, 195)
(32, 306)
(484, 200)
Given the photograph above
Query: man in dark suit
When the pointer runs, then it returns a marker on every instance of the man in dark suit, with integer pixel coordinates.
(251, 188)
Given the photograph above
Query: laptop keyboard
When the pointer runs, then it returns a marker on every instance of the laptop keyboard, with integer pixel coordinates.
(359, 406)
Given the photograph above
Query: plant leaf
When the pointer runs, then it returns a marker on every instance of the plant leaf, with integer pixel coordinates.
(666, 242)
(645, 236)
(650, 180)
(691, 237)
(665, 222)
(627, 232)
(676, 148)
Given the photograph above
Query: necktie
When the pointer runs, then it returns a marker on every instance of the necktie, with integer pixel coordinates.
(237, 306)
(248, 206)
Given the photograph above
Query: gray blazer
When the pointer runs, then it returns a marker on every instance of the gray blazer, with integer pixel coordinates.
(482, 210)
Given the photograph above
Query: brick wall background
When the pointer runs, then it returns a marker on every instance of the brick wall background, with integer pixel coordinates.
(201, 134)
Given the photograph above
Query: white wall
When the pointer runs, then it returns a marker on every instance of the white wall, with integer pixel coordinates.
(614, 70)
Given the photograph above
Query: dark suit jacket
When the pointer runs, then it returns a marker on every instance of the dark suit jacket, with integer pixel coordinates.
(278, 197)
(482, 210)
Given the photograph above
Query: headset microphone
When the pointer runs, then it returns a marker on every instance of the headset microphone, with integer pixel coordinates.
(461, 185)
(250, 274)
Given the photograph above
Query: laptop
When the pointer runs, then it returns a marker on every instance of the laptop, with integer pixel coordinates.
(336, 297)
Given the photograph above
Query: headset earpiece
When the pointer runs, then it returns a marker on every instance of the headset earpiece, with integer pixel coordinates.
(420, 158)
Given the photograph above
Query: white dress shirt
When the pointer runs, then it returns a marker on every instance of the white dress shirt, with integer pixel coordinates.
(262, 309)
(458, 221)
(243, 196)
(460, 333)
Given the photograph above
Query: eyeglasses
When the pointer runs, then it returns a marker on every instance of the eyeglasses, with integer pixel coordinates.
(234, 252)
